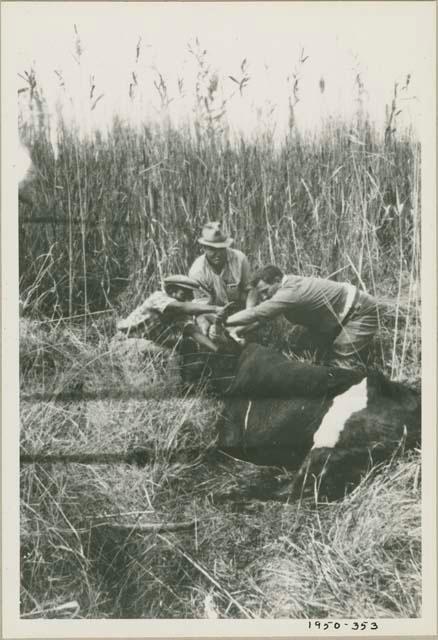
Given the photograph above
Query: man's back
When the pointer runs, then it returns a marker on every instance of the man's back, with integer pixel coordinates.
(316, 303)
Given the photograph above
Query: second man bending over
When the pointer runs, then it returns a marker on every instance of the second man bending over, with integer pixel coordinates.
(345, 316)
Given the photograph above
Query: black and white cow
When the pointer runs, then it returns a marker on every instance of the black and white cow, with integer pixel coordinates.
(328, 423)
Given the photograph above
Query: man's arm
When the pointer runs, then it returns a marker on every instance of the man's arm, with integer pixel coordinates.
(193, 308)
(264, 311)
(252, 298)
(243, 330)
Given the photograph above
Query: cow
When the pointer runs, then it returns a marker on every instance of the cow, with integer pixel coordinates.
(327, 423)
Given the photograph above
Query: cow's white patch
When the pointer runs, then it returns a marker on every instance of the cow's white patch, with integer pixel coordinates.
(353, 400)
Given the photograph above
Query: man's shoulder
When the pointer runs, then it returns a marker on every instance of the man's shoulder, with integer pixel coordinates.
(290, 279)
(156, 295)
(236, 254)
(157, 301)
(290, 288)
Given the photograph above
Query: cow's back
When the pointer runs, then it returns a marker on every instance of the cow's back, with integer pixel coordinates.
(264, 373)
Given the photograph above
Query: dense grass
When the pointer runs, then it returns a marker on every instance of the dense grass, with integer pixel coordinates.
(136, 200)
(107, 216)
(110, 211)
(112, 214)
(182, 537)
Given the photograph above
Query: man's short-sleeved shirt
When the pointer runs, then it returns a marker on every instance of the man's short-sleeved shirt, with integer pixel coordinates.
(157, 321)
(315, 303)
(231, 285)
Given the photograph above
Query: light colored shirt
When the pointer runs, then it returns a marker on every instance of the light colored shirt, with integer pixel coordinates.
(315, 303)
(231, 285)
(155, 319)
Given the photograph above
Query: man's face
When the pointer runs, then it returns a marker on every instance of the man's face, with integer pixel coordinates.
(266, 290)
(181, 294)
(216, 256)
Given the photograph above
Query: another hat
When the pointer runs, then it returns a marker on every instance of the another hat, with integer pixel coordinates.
(180, 281)
(213, 236)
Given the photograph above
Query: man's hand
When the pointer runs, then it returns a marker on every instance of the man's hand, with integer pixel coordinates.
(233, 332)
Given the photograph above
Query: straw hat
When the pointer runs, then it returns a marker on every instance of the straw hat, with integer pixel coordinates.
(213, 236)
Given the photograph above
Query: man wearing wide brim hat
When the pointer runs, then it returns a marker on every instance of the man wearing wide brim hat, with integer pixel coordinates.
(222, 272)
(213, 236)
(166, 316)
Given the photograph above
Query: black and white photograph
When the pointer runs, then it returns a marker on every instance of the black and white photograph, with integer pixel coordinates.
(219, 318)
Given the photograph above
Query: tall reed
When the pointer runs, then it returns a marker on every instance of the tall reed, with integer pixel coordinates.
(117, 211)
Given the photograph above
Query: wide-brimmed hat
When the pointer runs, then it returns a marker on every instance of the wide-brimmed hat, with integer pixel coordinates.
(214, 236)
(180, 281)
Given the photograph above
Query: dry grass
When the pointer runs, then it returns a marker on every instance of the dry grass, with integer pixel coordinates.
(359, 558)
(181, 537)
(56, 360)
(111, 215)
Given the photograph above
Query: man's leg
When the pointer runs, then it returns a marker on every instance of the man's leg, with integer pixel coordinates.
(350, 350)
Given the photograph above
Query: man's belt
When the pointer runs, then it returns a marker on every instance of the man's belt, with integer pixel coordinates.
(352, 308)
(348, 312)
